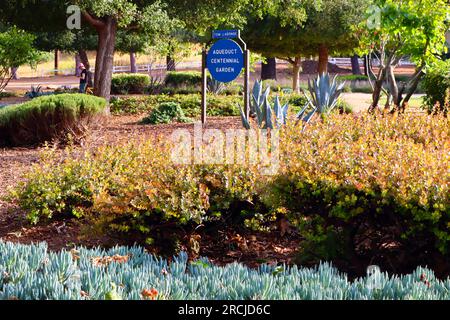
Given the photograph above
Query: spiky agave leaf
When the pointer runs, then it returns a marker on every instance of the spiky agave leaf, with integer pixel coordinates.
(278, 111)
(245, 122)
(284, 112)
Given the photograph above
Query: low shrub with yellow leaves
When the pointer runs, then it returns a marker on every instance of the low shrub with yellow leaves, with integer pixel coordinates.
(132, 188)
(360, 185)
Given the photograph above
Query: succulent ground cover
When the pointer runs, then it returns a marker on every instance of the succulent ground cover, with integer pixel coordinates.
(32, 272)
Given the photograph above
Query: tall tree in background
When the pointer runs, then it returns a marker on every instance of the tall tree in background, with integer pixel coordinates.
(329, 28)
(273, 30)
(16, 49)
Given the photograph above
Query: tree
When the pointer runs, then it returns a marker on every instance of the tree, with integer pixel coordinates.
(269, 68)
(406, 28)
(273, 31)
(54, 41)
(329, 28)
(16, 49)
(132, 42)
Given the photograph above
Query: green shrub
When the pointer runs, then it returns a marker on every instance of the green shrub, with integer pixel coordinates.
(166, 112)
(47, 118)
(33, 272)
(352, 77)
(343, 107)
(179, 79)
(129, 83)
(190, 103)
(436, 86)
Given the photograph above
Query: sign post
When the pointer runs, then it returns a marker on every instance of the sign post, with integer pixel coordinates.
(225, 61)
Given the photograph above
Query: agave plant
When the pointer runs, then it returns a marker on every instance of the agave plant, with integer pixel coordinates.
(324, 96)
(36, 91)
(260, 107)
(214, 86)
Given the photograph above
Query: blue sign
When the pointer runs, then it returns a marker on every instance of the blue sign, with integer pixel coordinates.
(225, 60)
(225, 34)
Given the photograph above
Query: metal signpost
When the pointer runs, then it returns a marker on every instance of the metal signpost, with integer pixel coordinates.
(225, 60)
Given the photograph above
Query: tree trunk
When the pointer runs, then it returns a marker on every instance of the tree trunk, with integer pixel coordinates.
(323, 59)
(366, 65)
(269, 69)
(296, 66)
(412, 89)
(170, 63)
(56, 61)
(77, 62)
(14, 73)
(105, 58)
(84, 58)
(376, 94)
(355, 64)
(133, 67)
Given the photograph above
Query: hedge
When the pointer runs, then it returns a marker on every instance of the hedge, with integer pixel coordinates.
(437, 87)
(217, 105)
(31, 272)
(47, 118)
(129, 83)
(190, 103)
(183, 79)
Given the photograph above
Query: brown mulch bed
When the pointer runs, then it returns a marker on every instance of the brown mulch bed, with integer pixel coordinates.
(251, 248)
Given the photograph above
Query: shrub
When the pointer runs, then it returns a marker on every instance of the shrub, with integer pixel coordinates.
(47, 118)
(129, 83)
(32, 272)
(135, 189)
(179, 79)
(190, 103)
(354, 183)
(359, 187)
(344, 107)
(352, 77)
(166, 112)
(437, 85)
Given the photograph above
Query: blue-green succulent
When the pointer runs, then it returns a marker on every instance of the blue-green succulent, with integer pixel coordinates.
(33, 272)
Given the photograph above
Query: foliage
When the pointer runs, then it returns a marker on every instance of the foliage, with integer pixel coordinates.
(402, 29)
(190, 103)
(46, 118)
(166, 112)
(437, 85)
(267, 118)
(32, 272)
(16, 49)
(214, 86)
(178, 79)
(350, 183)
(324, 96)
(134, 189)
(36, 91)
(129, 83)
(353, 183)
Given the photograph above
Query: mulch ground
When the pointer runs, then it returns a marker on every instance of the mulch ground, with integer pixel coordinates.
(250, 248)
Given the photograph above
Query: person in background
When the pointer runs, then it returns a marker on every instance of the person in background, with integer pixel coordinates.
(83, 78)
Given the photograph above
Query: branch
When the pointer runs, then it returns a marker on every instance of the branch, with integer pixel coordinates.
(288, 59)
(96, 23)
